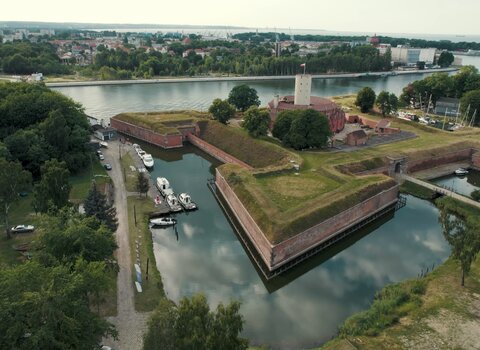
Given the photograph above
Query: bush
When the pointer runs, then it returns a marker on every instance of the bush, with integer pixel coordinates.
(476, 195)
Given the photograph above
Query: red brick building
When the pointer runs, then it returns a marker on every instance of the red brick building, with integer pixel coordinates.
(334, 113)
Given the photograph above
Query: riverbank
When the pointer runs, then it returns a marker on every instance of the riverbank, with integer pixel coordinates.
(240, 79)
(437, 314)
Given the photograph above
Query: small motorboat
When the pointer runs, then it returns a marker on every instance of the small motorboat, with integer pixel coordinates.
(461, 172)
(167, 221)
(164, 186)
(148, 160)
(186, 201)
(157, 200)
(172, 202)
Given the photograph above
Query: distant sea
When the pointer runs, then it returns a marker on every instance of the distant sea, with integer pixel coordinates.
(223, 33)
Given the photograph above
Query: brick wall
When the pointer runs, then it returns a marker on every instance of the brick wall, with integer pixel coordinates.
(464, 155)
(476, 159)
(216, 152)
(254, 233)
(291, 248)
(164, 141)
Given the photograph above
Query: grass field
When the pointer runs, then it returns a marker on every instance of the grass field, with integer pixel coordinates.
(130, 176)
(81, 182)
(165, 123)
(236, 142)
(153, 288)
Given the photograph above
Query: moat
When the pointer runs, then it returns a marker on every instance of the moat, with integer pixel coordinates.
(303, 307)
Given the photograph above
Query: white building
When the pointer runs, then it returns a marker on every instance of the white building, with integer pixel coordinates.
(411, 55)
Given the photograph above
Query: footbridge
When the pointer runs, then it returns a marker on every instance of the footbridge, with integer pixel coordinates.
(439, 190)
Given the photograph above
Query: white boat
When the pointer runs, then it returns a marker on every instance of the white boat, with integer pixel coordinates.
(148, 160)
(135, 146)
(461, 172)
(173, 203)
(164, 186)
(186, 201)
(163, 221)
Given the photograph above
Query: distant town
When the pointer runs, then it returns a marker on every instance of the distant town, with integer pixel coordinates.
(110, 55)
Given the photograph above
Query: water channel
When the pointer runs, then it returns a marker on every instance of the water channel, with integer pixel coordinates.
(461, 184)
(304, 307)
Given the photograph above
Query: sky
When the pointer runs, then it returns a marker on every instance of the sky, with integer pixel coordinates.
(455, 17)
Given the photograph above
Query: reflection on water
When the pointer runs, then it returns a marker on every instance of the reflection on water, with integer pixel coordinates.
(304, 307)
(461, 184)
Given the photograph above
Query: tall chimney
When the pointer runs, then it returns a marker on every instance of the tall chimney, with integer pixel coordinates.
(303, 89)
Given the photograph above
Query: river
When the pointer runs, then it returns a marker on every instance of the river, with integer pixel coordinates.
(107, 101)
(304, 307)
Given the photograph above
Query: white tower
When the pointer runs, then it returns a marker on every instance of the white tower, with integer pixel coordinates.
(303, 89)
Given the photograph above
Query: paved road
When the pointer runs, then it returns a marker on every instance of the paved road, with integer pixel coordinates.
(441, 190)
(129, 323)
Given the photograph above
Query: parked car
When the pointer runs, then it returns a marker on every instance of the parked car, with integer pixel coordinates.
(108, 166)
(101, 157)
(22, 228)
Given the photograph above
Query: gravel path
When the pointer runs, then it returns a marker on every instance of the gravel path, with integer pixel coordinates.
(129, 323)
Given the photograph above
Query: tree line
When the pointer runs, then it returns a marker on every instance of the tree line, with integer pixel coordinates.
(421, 43)
(251, 60)
(465, 85)
(24, 57)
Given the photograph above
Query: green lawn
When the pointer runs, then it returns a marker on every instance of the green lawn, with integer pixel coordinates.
(130, 176)
(81, 182)
(153, 288)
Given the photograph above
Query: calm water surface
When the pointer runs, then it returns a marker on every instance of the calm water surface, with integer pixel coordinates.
(461, 184)
(304, 307)
(107, 101)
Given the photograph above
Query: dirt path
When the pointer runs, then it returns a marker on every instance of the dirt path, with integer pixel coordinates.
(129, 323)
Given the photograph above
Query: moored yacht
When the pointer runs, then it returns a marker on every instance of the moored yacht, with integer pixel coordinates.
(148, 160)
(173, 203)
(461, 171)
(186, 201)
(164, 186)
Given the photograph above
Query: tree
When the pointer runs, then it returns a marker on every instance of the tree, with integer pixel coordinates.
(192, 325)
(96, 205)
(282, 124)
(243, 96)
(221, 110)
(53, 190)
(365, 99)
(476, 195)
(142, 184)
(387, 102)
(256, 121)
(310, 129)
(13, 180)
(71, 236)
(462, 232)
(47, 307)
(446, 59)
(470, 102)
